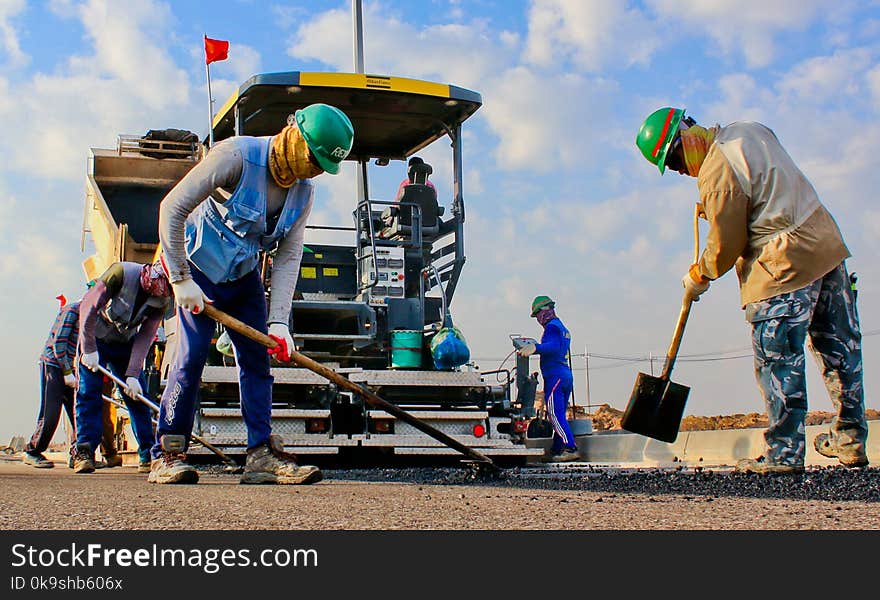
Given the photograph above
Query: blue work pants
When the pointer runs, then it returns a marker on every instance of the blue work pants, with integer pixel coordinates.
(89, 401)
(557, 390)
(245, 300)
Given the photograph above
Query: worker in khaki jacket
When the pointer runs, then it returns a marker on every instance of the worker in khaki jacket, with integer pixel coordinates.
(766, 219)
(248, 195)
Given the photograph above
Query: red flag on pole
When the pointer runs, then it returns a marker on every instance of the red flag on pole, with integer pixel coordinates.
(215, 50)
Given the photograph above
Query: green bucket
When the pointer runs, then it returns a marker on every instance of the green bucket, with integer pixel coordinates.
(406, 349)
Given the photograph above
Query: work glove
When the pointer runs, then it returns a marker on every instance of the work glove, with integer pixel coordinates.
(527, 350)
(281, 334)
(70, 380)
(189, 295)
(90, 360)
(694, 283)
(133, 387)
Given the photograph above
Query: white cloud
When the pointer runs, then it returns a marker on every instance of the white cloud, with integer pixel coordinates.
(748, 29)
(873, 82)
(541, 121)
(462, 54)
(592, 33)
(90, 98)
(824, 78)
(15, 57)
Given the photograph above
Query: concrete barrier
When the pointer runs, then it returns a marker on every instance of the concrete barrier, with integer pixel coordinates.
(694, 448)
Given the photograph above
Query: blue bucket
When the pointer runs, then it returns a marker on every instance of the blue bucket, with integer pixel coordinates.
(406, 349)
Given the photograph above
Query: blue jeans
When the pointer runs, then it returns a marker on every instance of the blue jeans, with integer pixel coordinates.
(245, 300)
(89, 403)
(557, 389)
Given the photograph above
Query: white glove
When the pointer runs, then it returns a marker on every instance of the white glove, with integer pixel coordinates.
(70, 380)
(90, 360)
(692, 287)
(527, 350)
(190, 296)
(133, 387)
(281, 334)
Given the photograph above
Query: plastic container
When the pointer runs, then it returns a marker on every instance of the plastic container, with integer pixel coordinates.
(406, 349)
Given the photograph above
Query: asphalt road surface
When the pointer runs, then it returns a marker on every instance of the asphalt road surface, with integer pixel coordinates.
(444, 498)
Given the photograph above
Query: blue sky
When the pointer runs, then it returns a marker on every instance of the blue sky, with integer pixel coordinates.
(559, 201)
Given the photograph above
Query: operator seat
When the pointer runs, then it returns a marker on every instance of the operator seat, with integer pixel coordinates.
(399, 218)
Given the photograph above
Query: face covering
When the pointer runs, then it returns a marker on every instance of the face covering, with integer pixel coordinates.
(545, 315)
(695, 142)
(153, 280)
(289, 158)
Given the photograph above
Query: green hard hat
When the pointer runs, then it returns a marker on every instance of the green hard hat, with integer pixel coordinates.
(541, 302)
(328, 132)
(657, 133)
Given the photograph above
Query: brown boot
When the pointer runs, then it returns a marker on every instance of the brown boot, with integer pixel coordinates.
(171, 466)
(762, 466)
(851, 455)
(84, 459)
(269, 463)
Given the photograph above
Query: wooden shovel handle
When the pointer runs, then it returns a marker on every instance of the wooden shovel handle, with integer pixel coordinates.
(346, 384)
(686, 303)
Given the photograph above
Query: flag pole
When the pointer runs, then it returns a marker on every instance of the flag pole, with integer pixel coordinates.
(210, 99)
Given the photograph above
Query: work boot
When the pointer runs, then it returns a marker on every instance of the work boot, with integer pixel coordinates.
(269, 463)
(37, 460)
(71, 453)
(567, 455)
(145, 466)
(84, 460)
(112, 460)
(171, 466)
(852, 455)
(762, 466)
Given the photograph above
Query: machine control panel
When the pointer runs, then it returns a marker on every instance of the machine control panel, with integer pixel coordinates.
(389, 266)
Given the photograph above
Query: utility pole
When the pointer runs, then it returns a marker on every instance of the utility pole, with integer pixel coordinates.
(587, 377)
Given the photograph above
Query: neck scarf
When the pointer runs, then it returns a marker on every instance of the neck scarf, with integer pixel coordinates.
(289, 158)
(545, 316)
(695, 142)
(154, 281)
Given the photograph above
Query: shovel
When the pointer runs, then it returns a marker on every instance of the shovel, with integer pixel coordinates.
(657, 404)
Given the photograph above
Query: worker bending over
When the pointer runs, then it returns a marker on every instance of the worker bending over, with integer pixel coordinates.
(246, 196)
(556, 371)
(766, 218)
(119, 317)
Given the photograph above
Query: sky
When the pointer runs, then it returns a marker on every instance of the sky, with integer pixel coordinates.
(559, 201)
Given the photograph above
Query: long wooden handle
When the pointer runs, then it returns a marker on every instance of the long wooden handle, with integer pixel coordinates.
(155, 408)
(686, 303)
(328, 373)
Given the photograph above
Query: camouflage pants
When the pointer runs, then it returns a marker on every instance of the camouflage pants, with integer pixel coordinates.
(825, 311)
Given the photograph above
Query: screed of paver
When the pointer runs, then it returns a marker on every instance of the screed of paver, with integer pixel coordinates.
(122, 499)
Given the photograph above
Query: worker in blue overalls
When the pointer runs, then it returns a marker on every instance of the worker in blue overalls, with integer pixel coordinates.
(246, 196)
(556, 371)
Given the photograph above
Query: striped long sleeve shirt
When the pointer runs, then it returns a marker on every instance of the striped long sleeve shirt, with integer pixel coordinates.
(60, 348)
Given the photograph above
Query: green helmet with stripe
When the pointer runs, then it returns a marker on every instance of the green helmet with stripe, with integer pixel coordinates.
(657, 133)
(541, 302)
(328, 133)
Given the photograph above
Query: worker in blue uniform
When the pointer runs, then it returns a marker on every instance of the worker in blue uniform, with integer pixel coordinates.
(556, 371)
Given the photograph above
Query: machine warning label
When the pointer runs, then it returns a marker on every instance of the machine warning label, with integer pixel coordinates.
(309, 272)
(331, 272)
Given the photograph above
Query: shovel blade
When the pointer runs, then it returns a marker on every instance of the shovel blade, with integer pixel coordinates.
(655, 408)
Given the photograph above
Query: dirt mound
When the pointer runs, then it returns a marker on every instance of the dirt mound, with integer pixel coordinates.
(606, 418)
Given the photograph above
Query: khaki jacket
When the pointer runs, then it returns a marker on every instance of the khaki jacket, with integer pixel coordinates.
(764, 216)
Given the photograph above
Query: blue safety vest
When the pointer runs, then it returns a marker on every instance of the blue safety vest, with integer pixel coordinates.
(224, 240)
